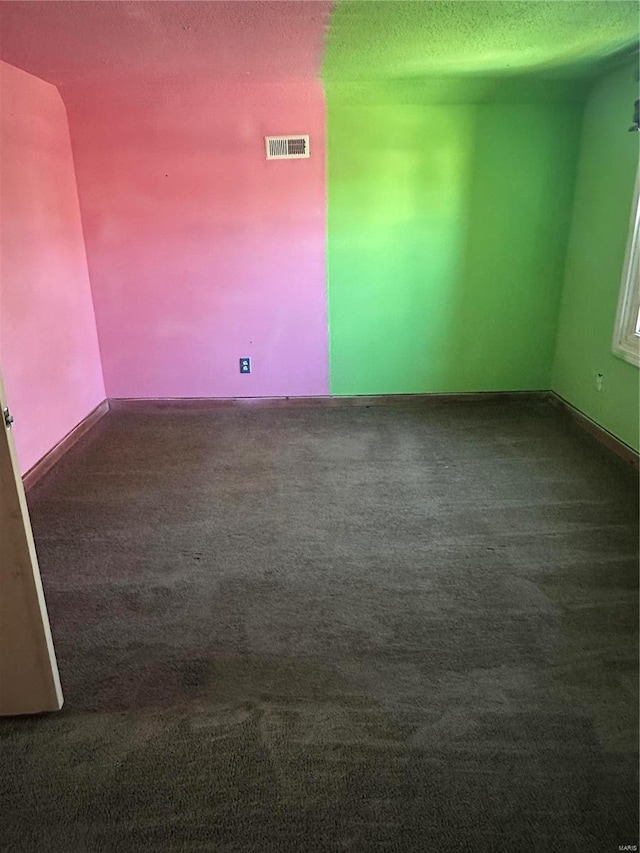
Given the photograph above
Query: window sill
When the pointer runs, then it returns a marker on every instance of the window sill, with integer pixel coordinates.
(628, 351)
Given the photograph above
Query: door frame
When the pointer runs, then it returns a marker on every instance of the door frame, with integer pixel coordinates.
(29, 678)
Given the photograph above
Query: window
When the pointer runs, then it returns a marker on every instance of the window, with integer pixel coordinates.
(626, 336)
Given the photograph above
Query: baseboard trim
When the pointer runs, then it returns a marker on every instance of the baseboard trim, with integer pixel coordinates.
(53, 456)
(165, 404)
(194, 404)
(601, 435)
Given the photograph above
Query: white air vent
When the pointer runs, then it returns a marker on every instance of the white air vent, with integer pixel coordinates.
(287, 147)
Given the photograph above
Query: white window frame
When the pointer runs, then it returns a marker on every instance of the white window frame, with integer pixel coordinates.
(626, 334)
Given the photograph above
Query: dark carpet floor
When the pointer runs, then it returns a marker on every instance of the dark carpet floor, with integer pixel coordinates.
(408, 628)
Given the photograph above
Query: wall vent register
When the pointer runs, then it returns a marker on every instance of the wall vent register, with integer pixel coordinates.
(293, 147)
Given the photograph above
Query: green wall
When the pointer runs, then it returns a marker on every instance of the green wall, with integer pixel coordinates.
(604, 192)
(447, 232)
(453, 142)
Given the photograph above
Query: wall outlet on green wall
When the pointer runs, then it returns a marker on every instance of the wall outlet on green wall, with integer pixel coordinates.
(599, 381)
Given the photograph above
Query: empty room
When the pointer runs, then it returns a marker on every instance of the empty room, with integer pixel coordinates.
(319, 377)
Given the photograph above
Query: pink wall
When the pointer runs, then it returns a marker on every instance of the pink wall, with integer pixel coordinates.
(48, 346)
(200, 251)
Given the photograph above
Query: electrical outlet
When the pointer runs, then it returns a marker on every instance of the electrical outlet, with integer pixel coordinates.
(599, 381)
(245, 365)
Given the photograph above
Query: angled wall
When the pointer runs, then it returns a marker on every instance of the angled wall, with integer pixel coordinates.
(48, 346)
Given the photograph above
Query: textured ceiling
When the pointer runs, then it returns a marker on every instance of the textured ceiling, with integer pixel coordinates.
(387, 40)
(105, 42)
(101, 42)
